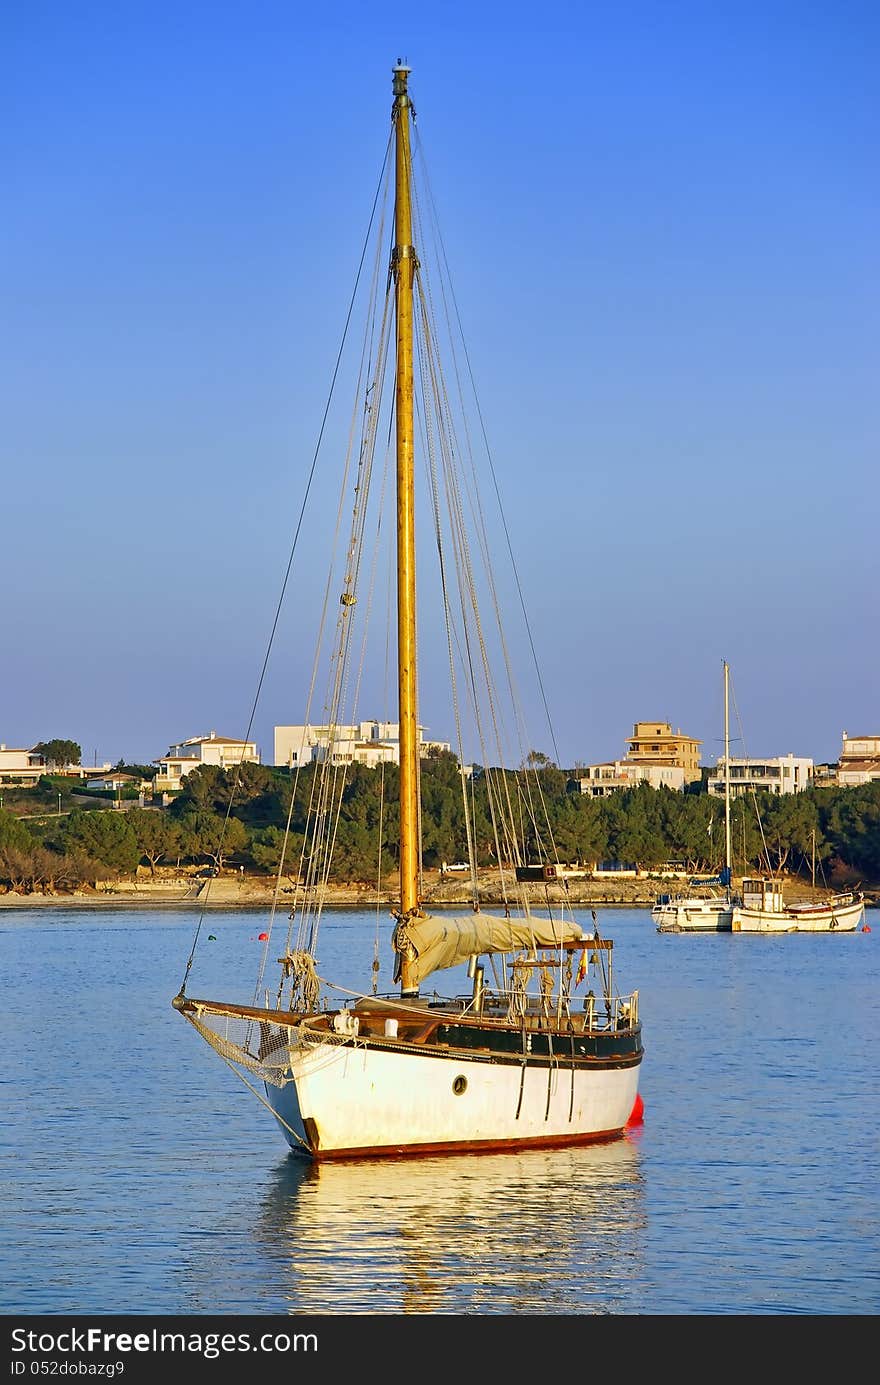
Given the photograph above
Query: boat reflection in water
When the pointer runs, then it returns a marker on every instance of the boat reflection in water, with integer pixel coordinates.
(528, 1232)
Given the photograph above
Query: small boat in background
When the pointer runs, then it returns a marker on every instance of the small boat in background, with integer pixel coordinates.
(707, 905)
(764, 910)
(693, 912)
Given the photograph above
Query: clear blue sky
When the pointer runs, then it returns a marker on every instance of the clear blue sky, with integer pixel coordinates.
(663, 226)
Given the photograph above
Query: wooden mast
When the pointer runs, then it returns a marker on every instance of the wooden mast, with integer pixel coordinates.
(403, 264)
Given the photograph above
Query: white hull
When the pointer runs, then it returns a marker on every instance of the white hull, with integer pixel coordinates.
(693, 916)
(844, 918)
(348, 1099)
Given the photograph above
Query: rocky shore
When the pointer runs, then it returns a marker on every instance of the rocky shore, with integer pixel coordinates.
(237, 890)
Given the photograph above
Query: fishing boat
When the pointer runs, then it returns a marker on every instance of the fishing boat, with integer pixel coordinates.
(707, 904)
(539, 1048)
(764, 910)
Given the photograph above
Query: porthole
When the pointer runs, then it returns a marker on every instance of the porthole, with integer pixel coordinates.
(459, 1086)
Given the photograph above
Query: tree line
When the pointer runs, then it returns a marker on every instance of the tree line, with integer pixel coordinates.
(238, 817)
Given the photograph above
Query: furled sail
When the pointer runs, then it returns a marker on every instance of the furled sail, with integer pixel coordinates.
(435, 943)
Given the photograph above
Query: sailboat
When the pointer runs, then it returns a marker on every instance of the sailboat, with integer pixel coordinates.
(540, 1049)
(707, 906)
(763, 907)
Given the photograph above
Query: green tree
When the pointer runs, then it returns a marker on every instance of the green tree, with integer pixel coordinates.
(209, 834)
(266, 847)
(253, 791)
(527, 814)
(203, 790)
(591, 838)
(106, 837)
(58, 753)
(14, 833)
(536, 759)
(747, 848)
(852, 826)
(139, 771)
(444, 826)
(354, 855)
(16, 870)
(634, 833)
(33, 868)
(157, 835)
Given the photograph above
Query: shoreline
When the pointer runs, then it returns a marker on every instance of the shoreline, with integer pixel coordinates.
(248, 894)
(339, 897)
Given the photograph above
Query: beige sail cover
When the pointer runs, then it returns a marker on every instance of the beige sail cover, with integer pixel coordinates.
(440, 942)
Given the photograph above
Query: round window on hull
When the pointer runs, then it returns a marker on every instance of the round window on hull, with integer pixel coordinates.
(459, 1086)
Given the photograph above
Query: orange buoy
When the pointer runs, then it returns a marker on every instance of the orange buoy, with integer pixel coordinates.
(637, 1114)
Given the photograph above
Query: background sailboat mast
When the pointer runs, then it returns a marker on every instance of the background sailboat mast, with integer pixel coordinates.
(727, 850)
(403, 267)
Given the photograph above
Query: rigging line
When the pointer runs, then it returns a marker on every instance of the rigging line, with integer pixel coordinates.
(764, 848)
(606, 976)
(466, 588)
(323, 835)
(470, 487)
(355, 543)
(430, 453)
(276, 894)
(380, 848)
(331, 798)
(461, 545)
(306, 867)
(303, 847)
(546, 815)
(293, 547)
(363, 490)
(504, 525)
(313, 815)
(454, 494)
(334, 780)
(339, 698)
(389, 597)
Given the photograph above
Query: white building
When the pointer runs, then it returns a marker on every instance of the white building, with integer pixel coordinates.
(364, 742)
(20, 766)
(223, 751)
(598, 781)
(859, 761)
(785, 774)
(115, 781)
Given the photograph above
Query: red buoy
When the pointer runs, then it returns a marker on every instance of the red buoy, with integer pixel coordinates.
(866, 928)
(264, 937)
(637, 1114)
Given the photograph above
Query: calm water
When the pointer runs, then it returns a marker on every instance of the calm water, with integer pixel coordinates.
(140, 1176)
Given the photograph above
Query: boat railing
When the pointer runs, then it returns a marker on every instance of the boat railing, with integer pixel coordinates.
(593, 1012)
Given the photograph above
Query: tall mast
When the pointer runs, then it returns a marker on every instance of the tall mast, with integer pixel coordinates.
(727, 851)
(403, 264)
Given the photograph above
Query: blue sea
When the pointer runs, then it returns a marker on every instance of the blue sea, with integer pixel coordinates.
(140, 1176)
